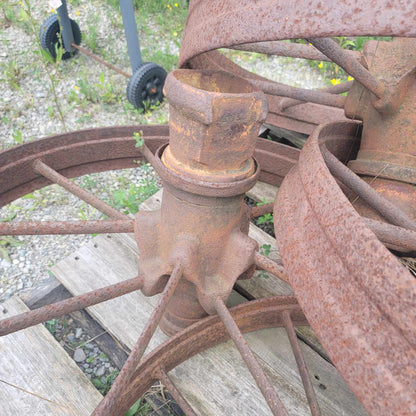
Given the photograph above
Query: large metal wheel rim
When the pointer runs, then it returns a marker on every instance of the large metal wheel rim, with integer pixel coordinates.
(58, 151)
(327, 286)
(206, 333)
(288, 20)
(97, 150)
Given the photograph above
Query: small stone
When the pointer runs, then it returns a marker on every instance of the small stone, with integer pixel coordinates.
(107, 365)
(78, 333)
(100, 372)
(79, 355)
(71, 337)
(89, 346)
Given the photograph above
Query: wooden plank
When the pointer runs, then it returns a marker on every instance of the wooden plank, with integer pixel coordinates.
(262, 190)
(37, 377)
(215, 382)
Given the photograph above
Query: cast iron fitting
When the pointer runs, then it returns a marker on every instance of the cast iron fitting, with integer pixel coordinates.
(214, 123)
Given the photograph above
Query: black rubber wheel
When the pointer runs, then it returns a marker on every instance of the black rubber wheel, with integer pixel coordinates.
(48, 36)
(145, 86)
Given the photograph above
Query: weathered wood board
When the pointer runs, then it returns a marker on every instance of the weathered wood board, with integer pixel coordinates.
(37, 377)
(215, 382)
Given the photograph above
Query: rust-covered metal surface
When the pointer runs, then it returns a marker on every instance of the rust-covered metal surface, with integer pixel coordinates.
(357, 296)
(217, 24)
(98, 150)
(355, 293)
(206, 169)
(204, 334)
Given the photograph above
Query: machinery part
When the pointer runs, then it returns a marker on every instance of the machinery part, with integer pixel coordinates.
(130, 31)
(97, 150)
(145, 87)
(236, 25)
(250, 316)
(203, 216)
(381, 291)
(50, 36)
(313, 216)
(208, 182)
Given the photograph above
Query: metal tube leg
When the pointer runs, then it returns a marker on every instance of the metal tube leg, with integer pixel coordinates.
(66, 28)
(129, 23)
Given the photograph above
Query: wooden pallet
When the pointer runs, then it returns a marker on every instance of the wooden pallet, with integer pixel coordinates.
(215, 382)
(37, 376)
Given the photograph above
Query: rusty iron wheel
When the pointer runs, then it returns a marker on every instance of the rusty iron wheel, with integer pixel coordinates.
(368, 297)
(376, 355)
(56, 159)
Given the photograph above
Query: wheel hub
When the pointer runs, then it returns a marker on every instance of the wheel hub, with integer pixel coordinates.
(203, 220)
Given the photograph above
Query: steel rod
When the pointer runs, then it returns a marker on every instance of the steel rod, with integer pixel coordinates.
(66, 227)
(70, 186)
(388, 210)
(64, 21)
(130, 30)
(300, 361)
(148, 155)
(269, 265)
(58, 309)
(175, 393)
(352, 66)
(259, 210)
(289, 49)
(313, 96)
(129, 370)
(333, 89)
(101, 61)
(399, 237)
(268, 391)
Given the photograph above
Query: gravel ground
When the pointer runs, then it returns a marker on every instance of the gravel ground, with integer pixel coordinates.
(89, 95)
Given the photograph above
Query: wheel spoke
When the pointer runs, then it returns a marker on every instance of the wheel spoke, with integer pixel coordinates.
(282, 90)
(66, 227)
(352, 66)
(289, 49)
(388, 210)
(253, 365)
(333, 89)
(399, 237)
(269, 265)
(130, 368)
(300, 361)
(58, 309)
(70, 186)
(175, 393)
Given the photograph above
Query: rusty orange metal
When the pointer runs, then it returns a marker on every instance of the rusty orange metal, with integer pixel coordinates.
(206, 169)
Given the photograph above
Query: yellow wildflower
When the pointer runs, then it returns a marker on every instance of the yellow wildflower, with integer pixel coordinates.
(175, 34)
(321, 64)
(78, 12)
(335, 81)
(350, 78)
(176, 4)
